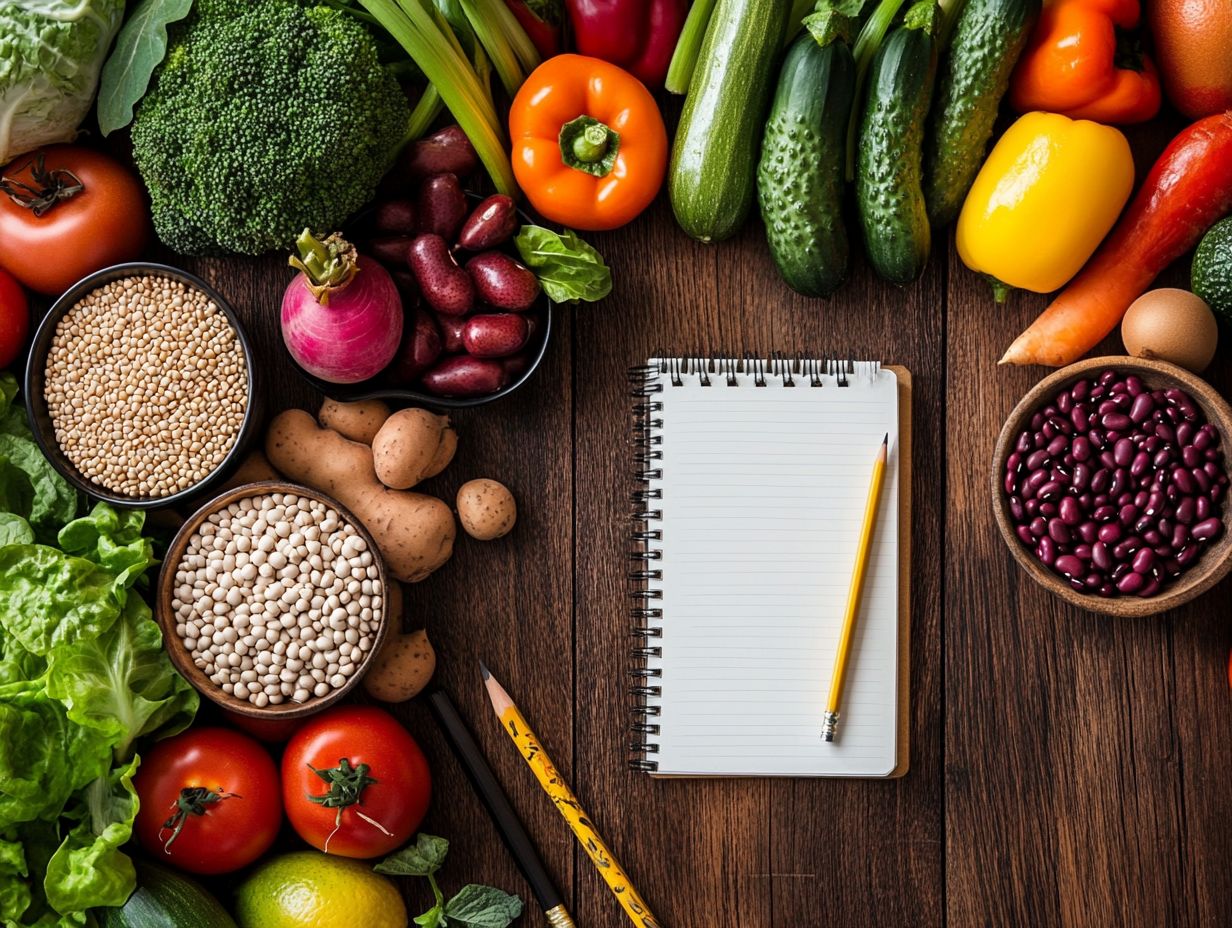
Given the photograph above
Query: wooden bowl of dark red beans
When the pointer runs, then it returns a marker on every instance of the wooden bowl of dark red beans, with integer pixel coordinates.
(1110, 485)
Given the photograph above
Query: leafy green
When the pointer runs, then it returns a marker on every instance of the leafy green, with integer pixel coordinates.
(473, 906)
(83, 674)
(568, 268)
(50, 55)
(139, 49)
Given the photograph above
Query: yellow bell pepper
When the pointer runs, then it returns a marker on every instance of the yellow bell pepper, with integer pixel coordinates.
(1043, 201)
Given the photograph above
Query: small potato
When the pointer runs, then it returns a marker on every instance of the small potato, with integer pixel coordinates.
(402, 668)
(486, 509)
(357, 421)
(406, 447)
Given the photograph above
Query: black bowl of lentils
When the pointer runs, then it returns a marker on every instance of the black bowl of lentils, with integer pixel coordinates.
(1110, 485)
(141, 386)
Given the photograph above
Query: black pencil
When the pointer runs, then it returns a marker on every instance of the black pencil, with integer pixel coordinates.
(494, 799)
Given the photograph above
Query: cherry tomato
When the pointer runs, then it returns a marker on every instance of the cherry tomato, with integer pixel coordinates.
(209, 801)
(269, 730)
(354, 782)
(65, 212)
(14, 319)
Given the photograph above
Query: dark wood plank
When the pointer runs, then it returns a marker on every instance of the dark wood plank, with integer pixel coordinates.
(508, 602)
(1080, 750)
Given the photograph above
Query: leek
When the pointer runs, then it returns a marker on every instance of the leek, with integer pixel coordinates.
(688, 46)
(424, 114)
(504, 60)
(498, 18)
(447, 68)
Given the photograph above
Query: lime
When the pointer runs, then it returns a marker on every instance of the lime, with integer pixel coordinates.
(307, 889)
(1211, 275)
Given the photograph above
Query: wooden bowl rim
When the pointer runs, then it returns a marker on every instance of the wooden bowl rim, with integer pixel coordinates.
(174, 645)
(1214, 564)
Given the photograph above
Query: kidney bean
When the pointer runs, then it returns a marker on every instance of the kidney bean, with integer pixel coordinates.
(1023, 445)
(1093, 581)
(1206, 438)
(1133, 384)
(1081, 477)
(1058, 446)
(1154, 502)
(1216, 492)
(1101, 556)
(1037, 421)
(1212, 470)
(1110, 532)
(1069, 511)
(1191, 456)
(1105, 408)
(1079, 418)
(1163, 458)
(1097, 391)
(495, 335)
(1185, 434)
(1123, 452)
(1081, 448)
(462, 375)
(1116, 420)
(1070, 566)
(1142, 525)
(1104, 513)
(1108, 459)
(1107, 378)
(1049, 430)
(1048, 490)
(1188, 555)
(1046, 550)
(1140, 464)
(1151, 536)
(1024, 535)
(1202, 508)
(1065, 401)
(1032, 506)
(1139, 499)
(1171, 567)
(1120, 482)
(1080, 390)
(1088, 532)
(1207, 529)
(1126, 546)
(1186, 511)
(1131, 583)
(1059, 531)
(1037, 459)
(491, 223)
(1038, 526)
(1150, 589)
(396, 216)
(1165, 431)
(1096, 438)
(1150, 444)
(1101, 480)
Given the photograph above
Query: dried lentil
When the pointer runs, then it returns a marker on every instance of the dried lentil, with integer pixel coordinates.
(146, 386)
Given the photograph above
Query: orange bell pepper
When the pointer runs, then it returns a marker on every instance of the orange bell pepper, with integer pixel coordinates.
(589, 145)
(1079, 63)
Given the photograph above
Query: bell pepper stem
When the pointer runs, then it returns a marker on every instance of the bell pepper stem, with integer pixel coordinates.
(588, 145)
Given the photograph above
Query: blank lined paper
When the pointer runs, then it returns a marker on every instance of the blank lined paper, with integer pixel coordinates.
(763, 493)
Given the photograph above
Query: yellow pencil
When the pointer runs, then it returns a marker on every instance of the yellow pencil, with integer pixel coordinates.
(566, 803)
(830, 720)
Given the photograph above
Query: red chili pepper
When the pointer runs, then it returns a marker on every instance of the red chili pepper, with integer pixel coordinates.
(541, 20)
(1188, 190)
(638, 35)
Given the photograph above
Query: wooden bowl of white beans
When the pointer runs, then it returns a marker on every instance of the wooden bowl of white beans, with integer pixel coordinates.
(272, 600)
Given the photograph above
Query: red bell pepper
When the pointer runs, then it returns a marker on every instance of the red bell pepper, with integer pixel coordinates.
(637, 35)
(540, 19)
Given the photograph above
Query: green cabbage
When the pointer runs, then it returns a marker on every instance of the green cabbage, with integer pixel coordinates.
(83, 674)
(51, 52)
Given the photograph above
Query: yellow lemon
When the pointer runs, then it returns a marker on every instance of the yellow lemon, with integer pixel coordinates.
(311, 890)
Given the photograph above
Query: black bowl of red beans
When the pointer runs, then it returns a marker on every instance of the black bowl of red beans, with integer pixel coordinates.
(1111, 485)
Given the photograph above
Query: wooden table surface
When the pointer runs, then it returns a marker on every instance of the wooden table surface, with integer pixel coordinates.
(1065, 768)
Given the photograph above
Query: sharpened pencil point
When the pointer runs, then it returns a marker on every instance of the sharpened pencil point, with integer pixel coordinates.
(483, 669)
(886, 440)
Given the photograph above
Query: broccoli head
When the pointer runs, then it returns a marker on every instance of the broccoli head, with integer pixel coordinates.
(266, 117)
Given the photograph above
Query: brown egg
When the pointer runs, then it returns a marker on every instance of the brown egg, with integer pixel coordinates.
(1171, 325)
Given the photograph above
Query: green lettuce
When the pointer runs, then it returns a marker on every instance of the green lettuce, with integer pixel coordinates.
(83, 676)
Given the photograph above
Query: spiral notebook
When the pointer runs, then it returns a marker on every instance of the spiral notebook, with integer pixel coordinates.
(752, 481)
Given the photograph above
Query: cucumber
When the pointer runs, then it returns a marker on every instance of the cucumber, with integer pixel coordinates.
(889, 171)
(165, 899)
(988, 38)
(714, 158)
(800, 175)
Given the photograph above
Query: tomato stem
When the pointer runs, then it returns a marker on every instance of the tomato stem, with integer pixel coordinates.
(193, 800)
(346, 786)
(47, 188)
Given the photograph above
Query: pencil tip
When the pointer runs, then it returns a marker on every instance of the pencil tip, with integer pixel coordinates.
(483, 669)
(886, 440)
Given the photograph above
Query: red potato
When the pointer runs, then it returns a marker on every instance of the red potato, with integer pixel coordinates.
(490, 224)
(451, 333)
(395, 217)
(391, 250)
(448, 288)
(503, 282)
(440, 206)
(462, 375)
(447, 151)
(495, 335)
(516, 365)
(421, 346)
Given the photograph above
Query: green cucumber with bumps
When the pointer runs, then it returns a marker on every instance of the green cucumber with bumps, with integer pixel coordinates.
(987, 40)
(890, 150)
(800, 175)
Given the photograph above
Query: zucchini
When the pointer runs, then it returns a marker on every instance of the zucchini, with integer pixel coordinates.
(988, 38)
(714, 158)
(800, 175)
(166, 899)
(889, 192)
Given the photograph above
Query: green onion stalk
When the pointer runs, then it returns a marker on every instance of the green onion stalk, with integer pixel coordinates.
(688, 46)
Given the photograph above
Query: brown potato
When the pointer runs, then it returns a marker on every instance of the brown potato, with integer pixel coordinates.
(406, 447)
(486, 509)
(444, 453)
(402, 668)
(357, 421)
(415, 532)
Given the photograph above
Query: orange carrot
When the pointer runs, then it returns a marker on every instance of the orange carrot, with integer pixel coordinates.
(1187, 191)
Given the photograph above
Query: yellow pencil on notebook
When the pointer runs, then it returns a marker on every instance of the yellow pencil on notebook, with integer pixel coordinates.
(830, 720)
(566, 803)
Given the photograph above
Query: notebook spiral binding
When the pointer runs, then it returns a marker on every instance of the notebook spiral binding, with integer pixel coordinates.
(646, 383)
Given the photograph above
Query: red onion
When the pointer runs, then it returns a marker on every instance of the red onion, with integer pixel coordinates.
(341, 316)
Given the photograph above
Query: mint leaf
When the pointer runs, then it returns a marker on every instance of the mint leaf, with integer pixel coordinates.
(567, 267)
(478, 906)
(423, 858)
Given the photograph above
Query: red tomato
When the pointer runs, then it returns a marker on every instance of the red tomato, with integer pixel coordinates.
(14, 319)
(269, 730)
(382, 789)
(209, 801)
(105, 222)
